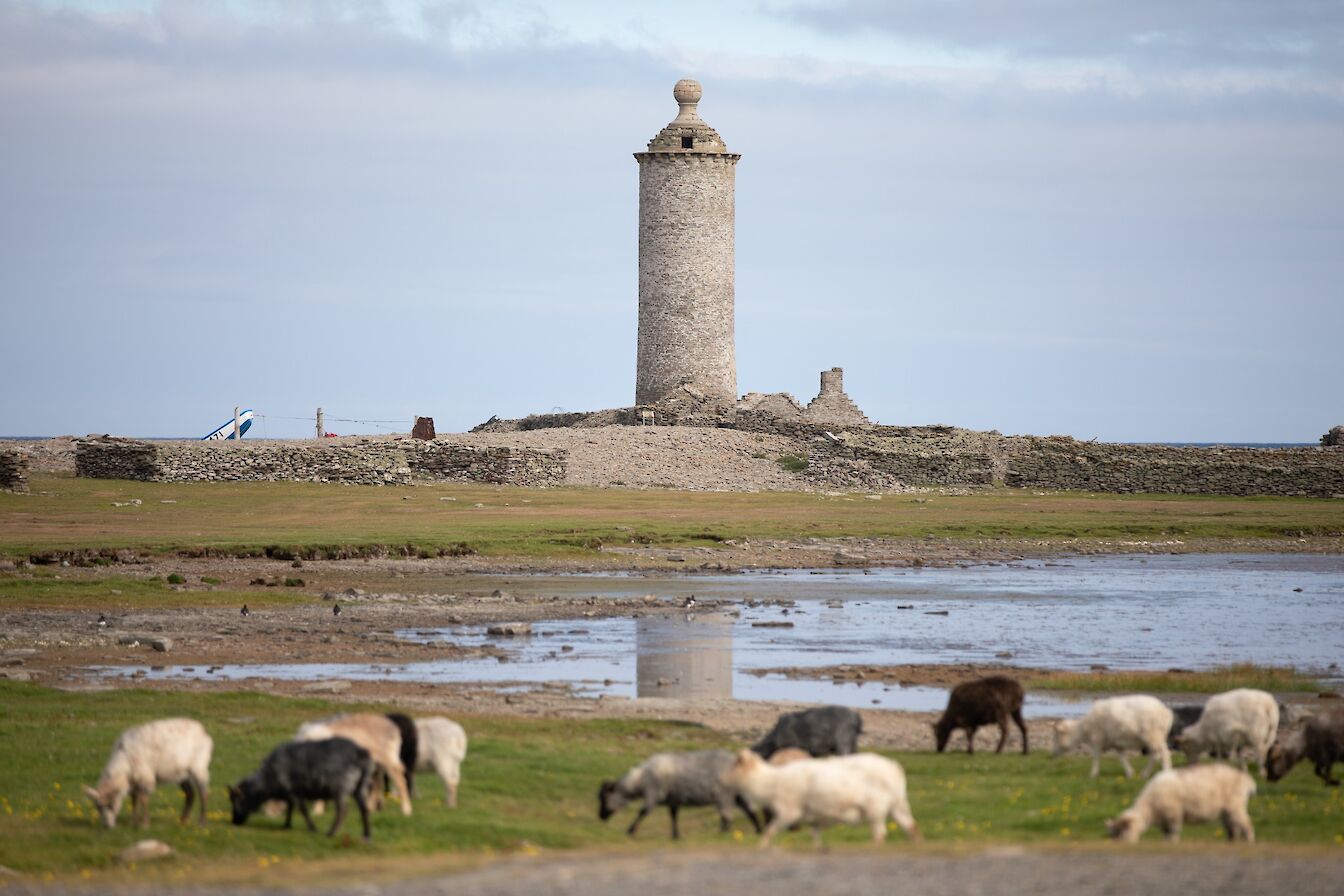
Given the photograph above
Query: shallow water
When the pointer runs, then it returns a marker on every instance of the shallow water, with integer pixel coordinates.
(1191, 611)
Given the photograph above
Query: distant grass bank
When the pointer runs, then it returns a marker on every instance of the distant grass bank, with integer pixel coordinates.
(1274, 679)
(528, 783)
(314, 520)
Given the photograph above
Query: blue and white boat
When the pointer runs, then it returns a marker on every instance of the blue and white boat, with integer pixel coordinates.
(226, 431)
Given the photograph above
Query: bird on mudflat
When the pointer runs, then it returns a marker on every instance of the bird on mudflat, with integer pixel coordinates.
(335, 609)
(689, 603)
(245, 611)
(102, 621)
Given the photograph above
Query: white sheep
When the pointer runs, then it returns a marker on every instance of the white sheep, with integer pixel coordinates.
(1136, 722)
(166, 751)
(855, 789)
(442, 747)
(376, 733)
(1192, 794)
(1231, 721)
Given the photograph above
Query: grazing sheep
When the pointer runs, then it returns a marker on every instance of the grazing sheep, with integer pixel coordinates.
(1320, 739)
(1136, 722)
(1195, 793)
(443, 746)
(986, 701)
(675, 780)
(166, 751)
(377, 734)
(410, 748)
(327, 769)
(1182, 717)
(1232, 720)
(821, 731)
(789, 754)
(855, 789)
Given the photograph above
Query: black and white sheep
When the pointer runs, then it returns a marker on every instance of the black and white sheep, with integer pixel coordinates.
(675, 780)
(1320, 739)
(821, 731)
(296, 772)
(993, 700)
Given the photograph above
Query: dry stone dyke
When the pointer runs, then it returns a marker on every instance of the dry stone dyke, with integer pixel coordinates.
(352, 461)
(13, 470)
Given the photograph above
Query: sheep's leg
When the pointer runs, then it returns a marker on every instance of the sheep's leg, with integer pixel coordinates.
(189, 796)
(340, 815)
(1021, 726)
(363, 806)
(970, 739)
(450, 776)
(783, 819)
(289, 812)
(672, 809)
(634, 825)
(1323, 771)
(746, 807)
(1124, 764)
(1152, 761)
(1003, 734)
(1173, 831)
(307, 819)
(403, 794)
(1096, 763)
(901, 814)
(140, 806)
(816, 837)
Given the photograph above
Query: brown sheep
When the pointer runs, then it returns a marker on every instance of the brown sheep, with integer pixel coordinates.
(986, 701)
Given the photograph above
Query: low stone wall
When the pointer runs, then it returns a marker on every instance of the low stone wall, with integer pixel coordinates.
(1059, 462)
(13, 470)
(351, 461)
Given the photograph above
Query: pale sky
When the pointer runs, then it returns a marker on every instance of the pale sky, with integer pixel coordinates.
(1112, 220)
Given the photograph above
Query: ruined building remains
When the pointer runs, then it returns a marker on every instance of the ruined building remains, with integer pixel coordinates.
(686, 184)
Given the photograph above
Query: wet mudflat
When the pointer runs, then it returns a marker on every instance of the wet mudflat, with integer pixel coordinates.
(1123, 612)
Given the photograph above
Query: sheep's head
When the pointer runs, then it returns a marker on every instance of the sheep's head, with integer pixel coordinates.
(1126, 828)
(1066, 735)
(1188, 744)
(941, 734)
(1279, 762)
(745, 763)
(244, 800)
(108, 804)
(610, 800)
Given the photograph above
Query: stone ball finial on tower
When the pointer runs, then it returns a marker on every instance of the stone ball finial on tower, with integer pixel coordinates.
(687, 90)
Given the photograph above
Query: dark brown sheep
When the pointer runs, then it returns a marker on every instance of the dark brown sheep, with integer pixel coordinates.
(1320, 739)
(986, 701)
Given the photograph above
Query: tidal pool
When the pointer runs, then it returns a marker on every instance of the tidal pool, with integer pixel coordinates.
(1125, 612)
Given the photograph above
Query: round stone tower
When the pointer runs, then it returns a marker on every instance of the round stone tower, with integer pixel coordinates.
(686, 258)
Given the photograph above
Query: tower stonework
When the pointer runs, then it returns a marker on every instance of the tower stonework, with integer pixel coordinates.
(686, 186)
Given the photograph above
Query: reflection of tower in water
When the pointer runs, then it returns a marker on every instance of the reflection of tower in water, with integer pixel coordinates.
(687, 657)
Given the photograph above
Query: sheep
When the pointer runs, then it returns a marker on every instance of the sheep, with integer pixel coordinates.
(166, 751)
(1182, 717)
(1136, 722)
(443, 746)
(821, 731)
(1232, 720)
(857, 788)
(789, 754)
(410, 749)
(375, 733)
(1320, 739)
(986, 701)
(1192, 794)
(330, 768)
(675, 780)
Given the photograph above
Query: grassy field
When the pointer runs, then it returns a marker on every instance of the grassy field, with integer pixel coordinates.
(65, 513)
(528, 784)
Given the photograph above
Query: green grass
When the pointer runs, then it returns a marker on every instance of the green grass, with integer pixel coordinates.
(528, 783)
(45, 590)
(1275, 679)
(288, 519)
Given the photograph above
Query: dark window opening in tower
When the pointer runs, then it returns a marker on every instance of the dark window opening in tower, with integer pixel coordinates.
(687, 142)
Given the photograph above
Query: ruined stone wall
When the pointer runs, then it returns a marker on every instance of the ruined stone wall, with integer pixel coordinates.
(832, 406)
(351, 461)
(13, 470)
(1059, 462)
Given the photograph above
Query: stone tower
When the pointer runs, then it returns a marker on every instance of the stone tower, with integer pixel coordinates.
(686, 258)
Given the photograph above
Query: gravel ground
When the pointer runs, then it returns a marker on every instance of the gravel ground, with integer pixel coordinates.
(658, 457)
(1149, 871)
